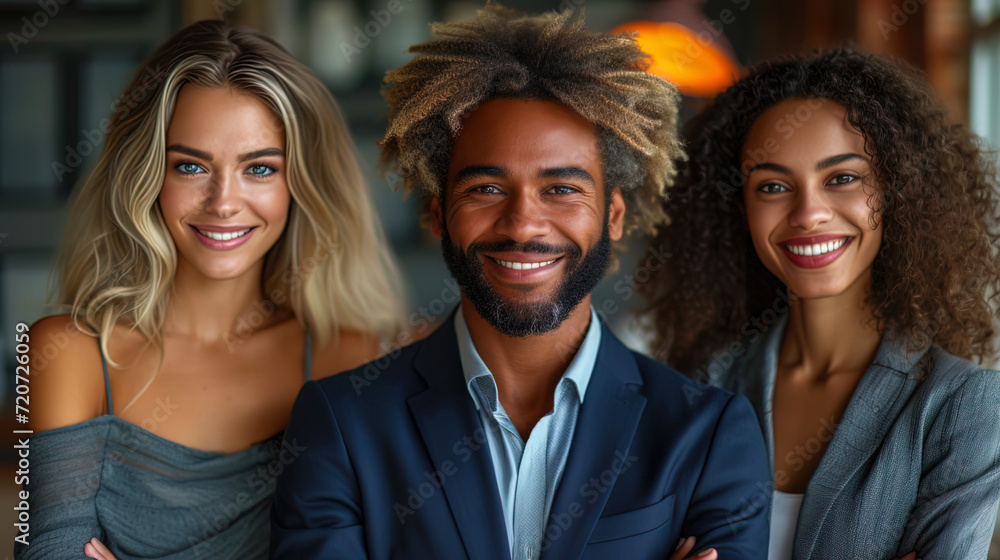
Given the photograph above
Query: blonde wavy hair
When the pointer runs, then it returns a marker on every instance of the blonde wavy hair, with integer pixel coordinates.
(331, 263)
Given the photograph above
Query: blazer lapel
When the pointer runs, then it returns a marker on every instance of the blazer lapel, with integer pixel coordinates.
(881, 394)
(754, 378)
(605, 426)
(446, 417)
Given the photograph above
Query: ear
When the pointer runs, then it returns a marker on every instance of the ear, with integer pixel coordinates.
(616, 215)
(437, 227)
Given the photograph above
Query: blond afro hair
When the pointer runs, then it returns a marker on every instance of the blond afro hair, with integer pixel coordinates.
(505, 54)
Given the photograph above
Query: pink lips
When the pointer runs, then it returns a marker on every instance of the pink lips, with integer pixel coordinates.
(223, 245)
(817, 261)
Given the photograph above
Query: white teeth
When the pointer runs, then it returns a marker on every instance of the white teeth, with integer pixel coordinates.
(523, 266)
(816, 248)
(224, 236)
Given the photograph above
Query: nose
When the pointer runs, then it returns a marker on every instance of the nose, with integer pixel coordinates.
(522, 218)
(812, 208)
(225, 197)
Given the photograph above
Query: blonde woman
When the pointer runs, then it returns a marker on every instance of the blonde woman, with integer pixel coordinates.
(223, 251)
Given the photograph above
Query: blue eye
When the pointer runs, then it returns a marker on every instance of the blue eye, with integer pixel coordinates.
(261, 170)
(772, 188)
(189, 168)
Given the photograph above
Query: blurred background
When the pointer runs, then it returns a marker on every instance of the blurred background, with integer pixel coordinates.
(63, 64)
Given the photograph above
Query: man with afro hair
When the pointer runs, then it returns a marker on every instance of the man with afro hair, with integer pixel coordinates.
(522, 428)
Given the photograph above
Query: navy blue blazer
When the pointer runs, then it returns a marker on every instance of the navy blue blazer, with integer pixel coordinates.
(393, 462)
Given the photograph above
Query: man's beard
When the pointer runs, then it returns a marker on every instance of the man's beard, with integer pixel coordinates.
(523, 319)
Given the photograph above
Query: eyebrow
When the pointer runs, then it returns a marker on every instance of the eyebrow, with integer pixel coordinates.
(567, 173)
(478, 172)
(770, 167)
(834, 160)
(484, 171)
(187, 150)
(826, 163)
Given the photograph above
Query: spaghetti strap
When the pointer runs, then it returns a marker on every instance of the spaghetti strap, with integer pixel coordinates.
(107, 383)
(308, 358)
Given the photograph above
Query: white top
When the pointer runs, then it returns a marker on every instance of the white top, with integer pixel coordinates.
(784, 518)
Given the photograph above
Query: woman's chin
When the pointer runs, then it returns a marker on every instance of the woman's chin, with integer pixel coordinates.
(222, 271)
(814, 291)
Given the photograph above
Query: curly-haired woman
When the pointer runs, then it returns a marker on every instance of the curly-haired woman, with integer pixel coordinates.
(834, 247)
(223, 250)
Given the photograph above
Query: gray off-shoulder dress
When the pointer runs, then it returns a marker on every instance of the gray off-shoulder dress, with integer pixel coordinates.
(148, 497)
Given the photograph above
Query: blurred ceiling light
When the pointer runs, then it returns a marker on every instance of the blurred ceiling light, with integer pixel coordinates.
(695, 62)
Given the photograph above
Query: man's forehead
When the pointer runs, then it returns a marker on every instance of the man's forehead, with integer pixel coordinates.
(541, 128)
(503, 112)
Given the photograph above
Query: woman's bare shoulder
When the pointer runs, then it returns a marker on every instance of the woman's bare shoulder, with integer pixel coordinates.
(348, 350)
(66, 378)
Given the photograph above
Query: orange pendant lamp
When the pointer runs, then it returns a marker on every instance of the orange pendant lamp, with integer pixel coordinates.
(692, 61)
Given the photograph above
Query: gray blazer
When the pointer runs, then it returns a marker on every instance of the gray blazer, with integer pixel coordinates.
(913, 466)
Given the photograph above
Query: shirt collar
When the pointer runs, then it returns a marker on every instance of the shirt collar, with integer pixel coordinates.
(579, 371)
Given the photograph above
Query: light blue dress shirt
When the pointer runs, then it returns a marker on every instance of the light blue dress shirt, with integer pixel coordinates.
(527, 470)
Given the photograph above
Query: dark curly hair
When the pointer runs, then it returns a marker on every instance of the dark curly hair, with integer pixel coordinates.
(936, 277)
(504, 54)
